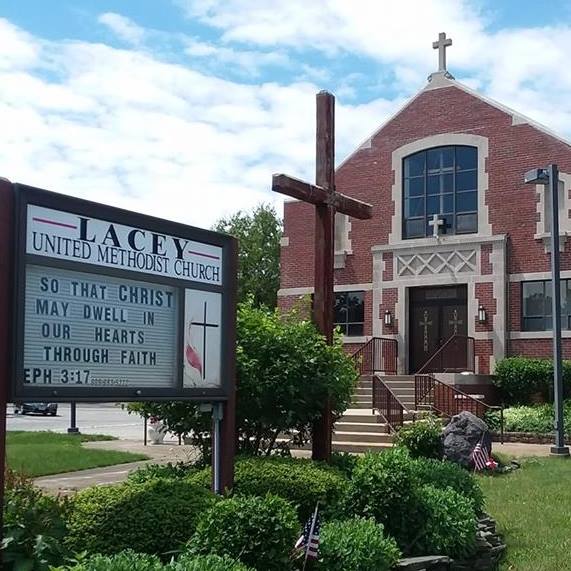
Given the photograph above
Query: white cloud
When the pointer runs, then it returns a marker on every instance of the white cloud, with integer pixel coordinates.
(525, 68)
(174, 140)
(123, 27)
(120, 126)
(387, 31)
(248, 61)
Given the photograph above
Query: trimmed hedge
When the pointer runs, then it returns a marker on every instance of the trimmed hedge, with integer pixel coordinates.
(383, 487)
(148, 472)
(518, 378)
(357, 544)
(260, 532)
(300, 481)
(449, 523)
(443, 475)
(422, 438)
(153, 517)
(534, 419)
(130, 560)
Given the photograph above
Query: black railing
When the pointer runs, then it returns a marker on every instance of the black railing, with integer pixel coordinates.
(377, 355)
(387, 404)
(447, 400)
(456, 355)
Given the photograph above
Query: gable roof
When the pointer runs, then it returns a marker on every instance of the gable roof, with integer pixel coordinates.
(441, 80)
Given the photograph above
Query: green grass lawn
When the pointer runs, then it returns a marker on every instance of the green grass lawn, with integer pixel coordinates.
(533, 509)
(43, 453)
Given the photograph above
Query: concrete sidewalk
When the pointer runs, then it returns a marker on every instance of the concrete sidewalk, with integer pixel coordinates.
(163, 453)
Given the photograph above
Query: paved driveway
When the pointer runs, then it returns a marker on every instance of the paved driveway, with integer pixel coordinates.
(104, 418)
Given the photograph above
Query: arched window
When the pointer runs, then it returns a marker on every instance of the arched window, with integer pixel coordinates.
(442, 181)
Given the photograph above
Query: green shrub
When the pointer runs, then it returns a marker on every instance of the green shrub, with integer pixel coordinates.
(449, 523)
(260, 532)
(153, 517)
(442, 475)
(189, 562)
(534, 419)
(130, 560)
(518, 378)
(345, 462)
(357, 544)
(127, 560)
(33, 527)
(302, 482)
(383, 487)
(422, 438)
(148, 472)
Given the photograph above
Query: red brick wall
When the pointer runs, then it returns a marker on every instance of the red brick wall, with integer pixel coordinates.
(485, 297)
(484, 349)
(514, 306)
(390, 298)
(542, 348)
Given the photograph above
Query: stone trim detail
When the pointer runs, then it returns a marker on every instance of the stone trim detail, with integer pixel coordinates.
(543, 209)
(287, 291)
(426, 263)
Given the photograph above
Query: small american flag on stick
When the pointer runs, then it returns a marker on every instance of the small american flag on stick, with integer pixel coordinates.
(481, 453)
(309, 539)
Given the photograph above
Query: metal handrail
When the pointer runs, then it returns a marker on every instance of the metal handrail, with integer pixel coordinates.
(426, 384)
(378, 354)
(469, 358)
(387, 404)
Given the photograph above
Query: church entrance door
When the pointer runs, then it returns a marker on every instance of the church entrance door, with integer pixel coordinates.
(436, 314)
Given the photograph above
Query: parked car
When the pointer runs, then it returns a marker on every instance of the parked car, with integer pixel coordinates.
(44, 408)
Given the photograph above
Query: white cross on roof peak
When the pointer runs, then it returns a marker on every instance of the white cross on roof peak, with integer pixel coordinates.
(441, 45)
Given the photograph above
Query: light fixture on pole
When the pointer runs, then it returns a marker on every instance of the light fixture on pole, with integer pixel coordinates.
(388, 319)
(550, 176)
(482, 316)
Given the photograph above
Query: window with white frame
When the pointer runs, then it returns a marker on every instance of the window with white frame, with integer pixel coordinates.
(441, 181)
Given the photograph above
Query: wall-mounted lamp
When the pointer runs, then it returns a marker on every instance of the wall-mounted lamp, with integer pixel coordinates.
(482, 316)
(388, 320)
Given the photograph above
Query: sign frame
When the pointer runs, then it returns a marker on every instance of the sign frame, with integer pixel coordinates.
(25, 196)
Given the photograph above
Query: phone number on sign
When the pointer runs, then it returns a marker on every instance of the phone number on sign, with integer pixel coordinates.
(83, 377)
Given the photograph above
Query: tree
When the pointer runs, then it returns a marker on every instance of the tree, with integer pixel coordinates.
(259, 234)
(285, 372)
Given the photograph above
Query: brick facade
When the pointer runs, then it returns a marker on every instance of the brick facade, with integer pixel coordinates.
(491, 263)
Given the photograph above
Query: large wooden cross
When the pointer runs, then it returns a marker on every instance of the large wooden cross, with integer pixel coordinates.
(327, 202)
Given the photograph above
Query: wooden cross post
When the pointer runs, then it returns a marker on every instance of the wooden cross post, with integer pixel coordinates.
(327, 202)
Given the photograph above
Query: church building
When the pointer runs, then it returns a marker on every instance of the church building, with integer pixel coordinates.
(458, 244)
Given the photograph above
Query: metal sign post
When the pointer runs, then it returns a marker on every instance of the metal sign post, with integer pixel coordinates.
(6, 265)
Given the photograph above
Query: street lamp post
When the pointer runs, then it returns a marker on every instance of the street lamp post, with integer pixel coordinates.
(550, 176)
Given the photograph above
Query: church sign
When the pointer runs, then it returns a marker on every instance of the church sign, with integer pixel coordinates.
(117, 306)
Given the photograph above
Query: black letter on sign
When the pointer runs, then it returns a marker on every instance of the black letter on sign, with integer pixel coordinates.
(158, 242)
(83, 230)
(112, 235)
(131, 240)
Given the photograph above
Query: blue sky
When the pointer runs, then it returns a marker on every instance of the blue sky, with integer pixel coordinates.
(184, 108)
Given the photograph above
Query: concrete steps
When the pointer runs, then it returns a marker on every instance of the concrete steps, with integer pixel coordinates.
(359, 431)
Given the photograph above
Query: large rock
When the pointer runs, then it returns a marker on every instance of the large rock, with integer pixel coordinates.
(460, 437)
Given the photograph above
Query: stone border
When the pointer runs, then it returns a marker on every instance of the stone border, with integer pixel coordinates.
(524, 437)
(489, 550)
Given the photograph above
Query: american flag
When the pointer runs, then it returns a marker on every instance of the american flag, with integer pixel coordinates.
(481, 453)
(309, 539)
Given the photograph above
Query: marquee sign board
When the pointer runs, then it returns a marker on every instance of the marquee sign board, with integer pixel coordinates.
(111, 305)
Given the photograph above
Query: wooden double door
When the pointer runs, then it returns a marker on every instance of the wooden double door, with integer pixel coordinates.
(436, 314)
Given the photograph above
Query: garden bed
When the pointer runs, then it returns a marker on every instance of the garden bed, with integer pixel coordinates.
(374, 510)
